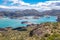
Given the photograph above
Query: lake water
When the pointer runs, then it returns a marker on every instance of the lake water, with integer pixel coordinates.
(7, 22)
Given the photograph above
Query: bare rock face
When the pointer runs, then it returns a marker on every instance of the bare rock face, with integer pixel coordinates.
(40, 31)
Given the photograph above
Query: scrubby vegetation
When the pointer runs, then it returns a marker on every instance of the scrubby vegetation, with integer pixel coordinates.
(44, 31)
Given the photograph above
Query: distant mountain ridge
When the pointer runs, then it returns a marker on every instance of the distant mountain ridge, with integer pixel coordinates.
(27, 12)
(52, 12)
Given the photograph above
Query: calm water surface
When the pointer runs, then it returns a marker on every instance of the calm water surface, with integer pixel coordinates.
(7, 22)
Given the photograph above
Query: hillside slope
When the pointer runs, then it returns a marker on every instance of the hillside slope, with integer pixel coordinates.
(45, 31)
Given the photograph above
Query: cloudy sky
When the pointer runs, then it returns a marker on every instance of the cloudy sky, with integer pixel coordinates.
(30, 4)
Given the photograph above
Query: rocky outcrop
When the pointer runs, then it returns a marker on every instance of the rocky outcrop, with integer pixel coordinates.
(40, 30)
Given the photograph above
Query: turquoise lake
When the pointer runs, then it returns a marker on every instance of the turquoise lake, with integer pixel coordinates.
(7, 22)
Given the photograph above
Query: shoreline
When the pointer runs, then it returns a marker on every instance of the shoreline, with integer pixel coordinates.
(23, 27)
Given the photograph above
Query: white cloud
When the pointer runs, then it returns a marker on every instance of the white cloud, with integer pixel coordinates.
(48, 5)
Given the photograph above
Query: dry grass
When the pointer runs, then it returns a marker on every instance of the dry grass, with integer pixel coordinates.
(24, 35)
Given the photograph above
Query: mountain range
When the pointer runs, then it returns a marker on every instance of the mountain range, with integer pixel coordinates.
(27, 12)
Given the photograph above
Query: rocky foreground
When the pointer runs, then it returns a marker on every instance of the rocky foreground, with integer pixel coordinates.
(44, 31)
